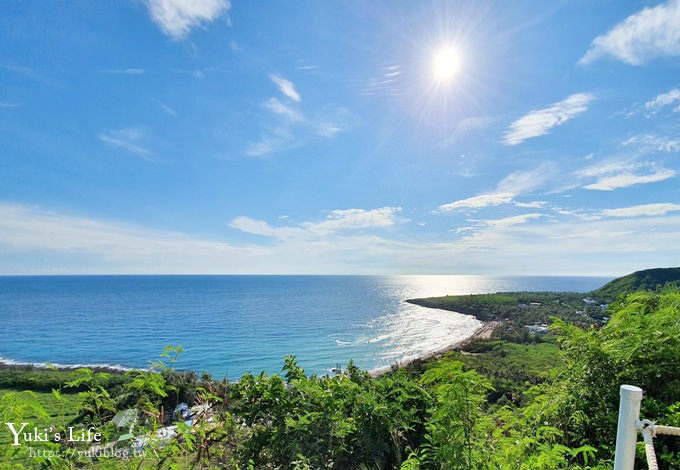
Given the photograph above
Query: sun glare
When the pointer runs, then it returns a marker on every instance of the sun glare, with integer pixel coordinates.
(445, 64)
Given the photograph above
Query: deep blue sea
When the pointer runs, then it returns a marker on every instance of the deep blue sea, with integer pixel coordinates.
(229, 325)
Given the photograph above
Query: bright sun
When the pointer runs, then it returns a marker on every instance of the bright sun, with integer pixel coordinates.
(445, 64)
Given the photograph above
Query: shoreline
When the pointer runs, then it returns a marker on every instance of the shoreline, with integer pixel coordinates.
(10, 364)
(484, 331)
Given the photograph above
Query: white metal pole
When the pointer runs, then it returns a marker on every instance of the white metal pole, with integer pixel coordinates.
(626, 433)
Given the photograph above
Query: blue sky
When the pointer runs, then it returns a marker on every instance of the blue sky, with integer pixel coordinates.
(395, 137)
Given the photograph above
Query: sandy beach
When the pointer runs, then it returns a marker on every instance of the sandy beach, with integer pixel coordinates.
(483, 332)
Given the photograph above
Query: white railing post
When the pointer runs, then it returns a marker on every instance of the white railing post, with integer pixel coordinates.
(626, 433)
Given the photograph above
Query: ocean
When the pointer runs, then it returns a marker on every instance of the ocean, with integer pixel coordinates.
(229, 325)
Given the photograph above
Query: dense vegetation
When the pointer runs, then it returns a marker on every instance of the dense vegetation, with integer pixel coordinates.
(648, 279)
(517, 309)
(546, 403)
(528, 307)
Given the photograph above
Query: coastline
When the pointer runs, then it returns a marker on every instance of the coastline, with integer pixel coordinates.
(484, 331)
(9, 364)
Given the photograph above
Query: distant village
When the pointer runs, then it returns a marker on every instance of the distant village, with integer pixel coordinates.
(542, 328)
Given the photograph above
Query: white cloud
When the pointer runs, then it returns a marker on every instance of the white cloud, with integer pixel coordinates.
(654, 143)
(106, 246)
(177, 18)
(616, 174)
(166, 108)
(607, 167)
(650, 33)
(522, 182)
(642, 210)
(328, 129)
(513, 185)
(277, 140)
(629, 178)
(248, 225)
(478, 202)
(663, 100)
(355, 219)
(332, 120)
(336, 221)
(292, 128)
(260, 227)
(9, 105)
(286, 87)
(45, 240)
(127, 139)
(539, 122)
(277, 107)
(531, 205)
(386, 82)
(511, 221)
(131, 71)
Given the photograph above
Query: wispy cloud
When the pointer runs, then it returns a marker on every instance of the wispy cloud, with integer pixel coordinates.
(328, 129)
(9, 105)
(531, 205)
(626, 180)
(347, 241)
(332, 120)
(351, 219)
(478, 202)
(642, 210)
(111, 246)
(540, 121)
(663, 100)
(125, 71)
(386, 82)
(166, 108)
(275, 140)
(176, 18)
(127, 139)
(287, 126)
(467, 126)
(28, 73)
(512, 186)
(302, 64)
(336, 221)
(654, 143)
(260, 227)
(286, 87)
(277, 107)
(650, 33)
(623, 174)
(510, 221)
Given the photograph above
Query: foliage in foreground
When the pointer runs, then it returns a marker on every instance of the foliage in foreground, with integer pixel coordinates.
(440, 418)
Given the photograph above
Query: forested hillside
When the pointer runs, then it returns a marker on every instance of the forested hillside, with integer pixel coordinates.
(648, 279)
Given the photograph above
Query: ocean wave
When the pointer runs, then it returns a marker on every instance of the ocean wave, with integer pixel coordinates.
(4, 361)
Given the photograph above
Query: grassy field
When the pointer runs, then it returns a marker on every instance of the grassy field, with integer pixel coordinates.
(59, 413)
(513, 368)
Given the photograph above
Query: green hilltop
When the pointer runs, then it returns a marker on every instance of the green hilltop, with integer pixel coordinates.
(648, 279)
